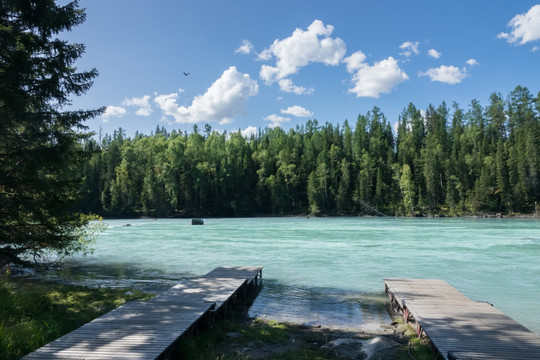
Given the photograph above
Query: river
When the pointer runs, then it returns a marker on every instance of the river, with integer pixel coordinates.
(327, 271)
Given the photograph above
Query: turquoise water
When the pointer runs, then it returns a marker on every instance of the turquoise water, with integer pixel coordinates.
(329, 271)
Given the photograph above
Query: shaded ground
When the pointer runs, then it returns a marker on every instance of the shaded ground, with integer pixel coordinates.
(241, 337)
(36, 312)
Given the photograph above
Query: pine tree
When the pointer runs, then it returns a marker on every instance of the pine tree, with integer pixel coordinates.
(40, 144)
(407, 189)
(435, 155)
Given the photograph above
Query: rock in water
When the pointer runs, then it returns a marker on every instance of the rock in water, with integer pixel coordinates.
(197, 222)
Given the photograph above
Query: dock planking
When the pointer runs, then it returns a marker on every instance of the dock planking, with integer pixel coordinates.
(250, 273)
(146, 329)
(460, 328)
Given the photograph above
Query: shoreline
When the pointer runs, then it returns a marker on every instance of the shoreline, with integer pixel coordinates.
(435, 216)
(243, 337)
(234, 335)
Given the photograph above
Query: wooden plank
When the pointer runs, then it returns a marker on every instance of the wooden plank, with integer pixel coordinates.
(125, 339)
(459, 327)
(215, 290)
(145, 329)
(248, 273)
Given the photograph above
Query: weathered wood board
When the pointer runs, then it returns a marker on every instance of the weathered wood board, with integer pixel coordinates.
(459, 327)
(146, 329)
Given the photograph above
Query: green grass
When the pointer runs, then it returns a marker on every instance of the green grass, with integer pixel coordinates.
(33, 313)
(203, 345)
(418, 348)
(214, 343)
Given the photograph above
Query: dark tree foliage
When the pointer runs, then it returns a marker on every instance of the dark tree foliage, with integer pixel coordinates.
(447, 161)
(40, 144)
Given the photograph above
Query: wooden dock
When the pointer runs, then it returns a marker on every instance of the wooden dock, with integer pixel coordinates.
(147, 329)
(459, 328)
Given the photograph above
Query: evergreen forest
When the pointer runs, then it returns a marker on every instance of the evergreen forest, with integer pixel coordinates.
(446, 161)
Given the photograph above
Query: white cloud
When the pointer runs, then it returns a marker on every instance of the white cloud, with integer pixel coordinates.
(276, 120)
(535, 48)
(409, 48)
(265, 55)
(434, 53)
(269, 74)
(244, 48)
(143, 103)
(372, 80)
(446, 74)
(355, 61)
(395, 127)
(143, 112)
(297, 111)
(167, 104)
(300, 49)
(472, 62)
(249, 131)
(223, 100)
(287, 85)
(113, 111)
(525, 27)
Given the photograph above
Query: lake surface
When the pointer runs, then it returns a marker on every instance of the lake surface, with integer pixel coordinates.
(328, 271)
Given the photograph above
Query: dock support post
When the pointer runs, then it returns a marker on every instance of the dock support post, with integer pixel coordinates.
(419, 330)
(406, 314)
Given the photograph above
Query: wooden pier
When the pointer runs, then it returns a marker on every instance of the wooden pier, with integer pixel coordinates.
(147, 329)
(459, 328)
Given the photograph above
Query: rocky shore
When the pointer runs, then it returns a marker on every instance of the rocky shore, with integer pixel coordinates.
(254, 338)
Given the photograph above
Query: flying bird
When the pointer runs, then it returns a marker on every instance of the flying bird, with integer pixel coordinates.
(185, 73)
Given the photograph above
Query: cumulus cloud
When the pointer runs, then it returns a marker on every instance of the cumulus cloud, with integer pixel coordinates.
(143, 103)
(472, 62)
(113, 111)
(223, 100)
(355, 61)
(276, 120)
(287, 85)
(525, 27)
(434, 53)
(374, 80)
(303, 47)
(167, 104)
(244, 48)
(265, 55)
(297, 111)
(446, 74)
(249, 131)
(409, 48)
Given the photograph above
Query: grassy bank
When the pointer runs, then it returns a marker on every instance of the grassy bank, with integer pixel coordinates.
(243, 338)
(33, 313)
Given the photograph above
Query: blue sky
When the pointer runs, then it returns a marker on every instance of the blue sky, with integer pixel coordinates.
(255, 64)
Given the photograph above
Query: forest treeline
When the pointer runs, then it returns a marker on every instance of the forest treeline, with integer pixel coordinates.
(447, 161)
